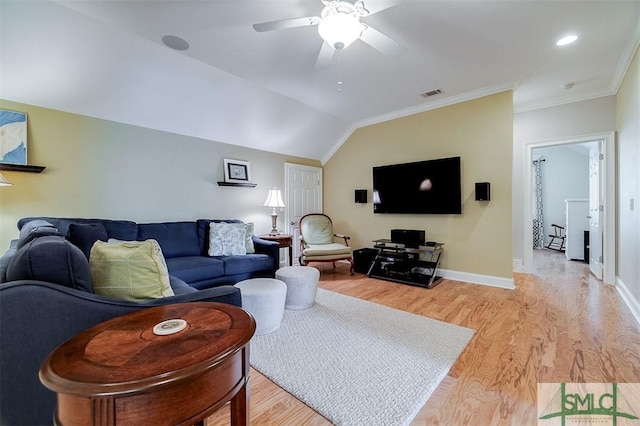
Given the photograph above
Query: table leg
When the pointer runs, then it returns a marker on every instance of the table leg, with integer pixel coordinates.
(240, 402)
(240, 407)
(290, 256)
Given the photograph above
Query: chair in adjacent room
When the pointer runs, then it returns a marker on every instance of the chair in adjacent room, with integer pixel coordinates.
(317, 241)
(557, 238)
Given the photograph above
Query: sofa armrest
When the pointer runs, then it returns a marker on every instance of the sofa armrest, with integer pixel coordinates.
(222, 294)
(271, 248)
(6, 257)
(37, 317)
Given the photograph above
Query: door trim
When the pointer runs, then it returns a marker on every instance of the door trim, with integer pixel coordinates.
(608, 174)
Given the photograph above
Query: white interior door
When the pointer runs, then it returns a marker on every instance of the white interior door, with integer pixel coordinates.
(595, 211)
(303, 194)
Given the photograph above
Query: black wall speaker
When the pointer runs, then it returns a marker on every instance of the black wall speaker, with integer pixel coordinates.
(361, 196)
(483, 191)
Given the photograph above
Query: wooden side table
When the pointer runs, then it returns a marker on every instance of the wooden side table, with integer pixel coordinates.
(285, 240)
(121, 372)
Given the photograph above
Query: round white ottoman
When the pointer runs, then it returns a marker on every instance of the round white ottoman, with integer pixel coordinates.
(264, 299)
(302, 285)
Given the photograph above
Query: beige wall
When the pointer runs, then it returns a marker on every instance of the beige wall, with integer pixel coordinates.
(628, 124)
(480, 132)
(98, 168)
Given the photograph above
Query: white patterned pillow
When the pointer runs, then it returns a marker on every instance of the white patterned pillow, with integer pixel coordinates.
(227, 239)
(249, 235)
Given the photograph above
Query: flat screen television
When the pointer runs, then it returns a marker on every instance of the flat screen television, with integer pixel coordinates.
(423, 187)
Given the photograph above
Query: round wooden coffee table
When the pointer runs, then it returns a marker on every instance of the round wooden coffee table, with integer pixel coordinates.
(121, 372)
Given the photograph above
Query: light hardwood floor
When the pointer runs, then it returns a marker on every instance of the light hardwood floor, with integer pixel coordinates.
(560, 324)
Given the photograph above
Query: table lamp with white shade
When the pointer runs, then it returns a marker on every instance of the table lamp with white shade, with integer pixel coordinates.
(274, 200)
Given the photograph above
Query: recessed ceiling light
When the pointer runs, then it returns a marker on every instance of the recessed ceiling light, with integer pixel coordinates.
(568, 86)
(175, 42)
(566, 40)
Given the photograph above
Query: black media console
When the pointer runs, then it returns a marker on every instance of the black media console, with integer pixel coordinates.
(408, 265)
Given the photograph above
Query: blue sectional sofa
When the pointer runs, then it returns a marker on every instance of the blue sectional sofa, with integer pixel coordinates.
(49, 297)
(184, 246)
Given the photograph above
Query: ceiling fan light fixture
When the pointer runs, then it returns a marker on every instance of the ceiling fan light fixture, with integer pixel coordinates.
(340, 29)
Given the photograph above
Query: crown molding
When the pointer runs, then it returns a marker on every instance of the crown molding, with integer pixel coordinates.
(563, 100)
(625, 60)
(325, 159)
(451, 100)
(621, 70)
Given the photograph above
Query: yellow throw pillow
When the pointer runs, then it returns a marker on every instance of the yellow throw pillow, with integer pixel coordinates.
(129, 270)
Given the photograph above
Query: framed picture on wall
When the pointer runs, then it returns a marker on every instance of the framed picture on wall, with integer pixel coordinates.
(13, 137)
(237, 171)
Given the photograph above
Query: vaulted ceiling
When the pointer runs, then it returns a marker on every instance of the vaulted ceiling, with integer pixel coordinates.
(235, 85)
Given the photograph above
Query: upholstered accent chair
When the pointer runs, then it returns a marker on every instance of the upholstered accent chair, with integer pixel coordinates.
(317, 241)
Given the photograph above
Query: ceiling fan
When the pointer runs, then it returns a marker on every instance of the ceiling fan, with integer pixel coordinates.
(339, 25)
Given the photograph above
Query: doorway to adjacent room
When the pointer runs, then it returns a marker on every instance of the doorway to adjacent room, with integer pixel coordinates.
(581, 168)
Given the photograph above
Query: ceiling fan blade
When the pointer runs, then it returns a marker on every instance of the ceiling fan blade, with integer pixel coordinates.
(375, 6)
(325, 56)
(286, 23)
(381, 42)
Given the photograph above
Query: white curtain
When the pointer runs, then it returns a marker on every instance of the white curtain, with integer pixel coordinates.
(538, 218)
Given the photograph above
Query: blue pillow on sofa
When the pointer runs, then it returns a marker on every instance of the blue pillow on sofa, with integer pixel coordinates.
(34, 224)
(85, 235)
(34, 229)
(36, 233)
(53, 259)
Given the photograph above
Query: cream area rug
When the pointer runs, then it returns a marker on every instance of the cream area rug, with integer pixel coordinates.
(357, 362)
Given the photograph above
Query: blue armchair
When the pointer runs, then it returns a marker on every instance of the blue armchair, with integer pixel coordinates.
(46, 303)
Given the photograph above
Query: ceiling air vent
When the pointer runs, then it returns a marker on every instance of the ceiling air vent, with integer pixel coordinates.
(431, 93)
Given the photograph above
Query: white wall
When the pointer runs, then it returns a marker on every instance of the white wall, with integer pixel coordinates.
(565, 174)
(628, 111)
(554, 123)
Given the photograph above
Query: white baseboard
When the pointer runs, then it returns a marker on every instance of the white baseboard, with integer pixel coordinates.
(629, 300)
(468, 277)
(518, 266)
